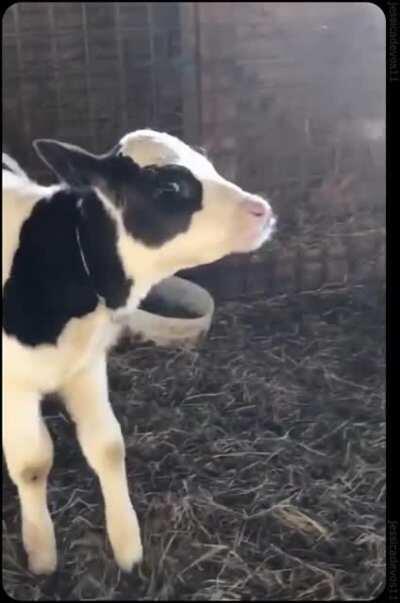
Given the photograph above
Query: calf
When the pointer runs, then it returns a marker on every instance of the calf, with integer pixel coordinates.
(77, 259)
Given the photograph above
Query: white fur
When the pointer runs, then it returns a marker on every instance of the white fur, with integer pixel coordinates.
(76, 365)
(14, 166)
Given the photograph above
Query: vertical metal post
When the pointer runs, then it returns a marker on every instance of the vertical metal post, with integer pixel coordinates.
(153, 64)
(191, 72)
(121, 68)
(26, 124)
(89, 88)
(56, 66)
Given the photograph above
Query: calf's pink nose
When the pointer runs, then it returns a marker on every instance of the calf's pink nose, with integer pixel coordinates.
(256, 208)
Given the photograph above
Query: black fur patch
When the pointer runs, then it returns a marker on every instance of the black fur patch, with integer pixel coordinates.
(48, 285)
(98, 236)
(157, 202)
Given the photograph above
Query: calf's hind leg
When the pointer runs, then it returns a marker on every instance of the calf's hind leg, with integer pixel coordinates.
(28, 451)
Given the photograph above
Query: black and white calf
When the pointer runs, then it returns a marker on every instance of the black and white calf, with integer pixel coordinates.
(78, 257)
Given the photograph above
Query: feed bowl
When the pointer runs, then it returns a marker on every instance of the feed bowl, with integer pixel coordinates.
(176, 312)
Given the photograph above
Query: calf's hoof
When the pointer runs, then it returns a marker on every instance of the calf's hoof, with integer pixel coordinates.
(42, 563)
(40, 546)
(125, 539)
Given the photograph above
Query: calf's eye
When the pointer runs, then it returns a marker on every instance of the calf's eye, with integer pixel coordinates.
(171, 187)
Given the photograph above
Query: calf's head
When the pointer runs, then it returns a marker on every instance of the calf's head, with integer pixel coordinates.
(172, 208)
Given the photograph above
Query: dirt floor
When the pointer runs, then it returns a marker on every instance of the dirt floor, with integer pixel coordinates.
(256, 463)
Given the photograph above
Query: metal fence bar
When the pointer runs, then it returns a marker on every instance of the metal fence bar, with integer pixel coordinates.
(191, 72)
(25, 121)
(121, 68)
(89, 87)
(56, 66)
(150, 23)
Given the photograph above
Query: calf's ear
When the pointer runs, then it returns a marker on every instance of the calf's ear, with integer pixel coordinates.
(201, 150)
(70, 163)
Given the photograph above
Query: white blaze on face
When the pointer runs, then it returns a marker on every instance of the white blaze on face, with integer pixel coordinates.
(231, 220)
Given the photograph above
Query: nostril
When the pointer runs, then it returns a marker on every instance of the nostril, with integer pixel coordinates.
(256, 208)
(259, 212)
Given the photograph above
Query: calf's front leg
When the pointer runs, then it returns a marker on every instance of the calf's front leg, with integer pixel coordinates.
(28, 452)
(99, 433)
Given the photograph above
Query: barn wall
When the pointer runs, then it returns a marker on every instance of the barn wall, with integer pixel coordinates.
(293, 106)
(288, 99)
(88, 72)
